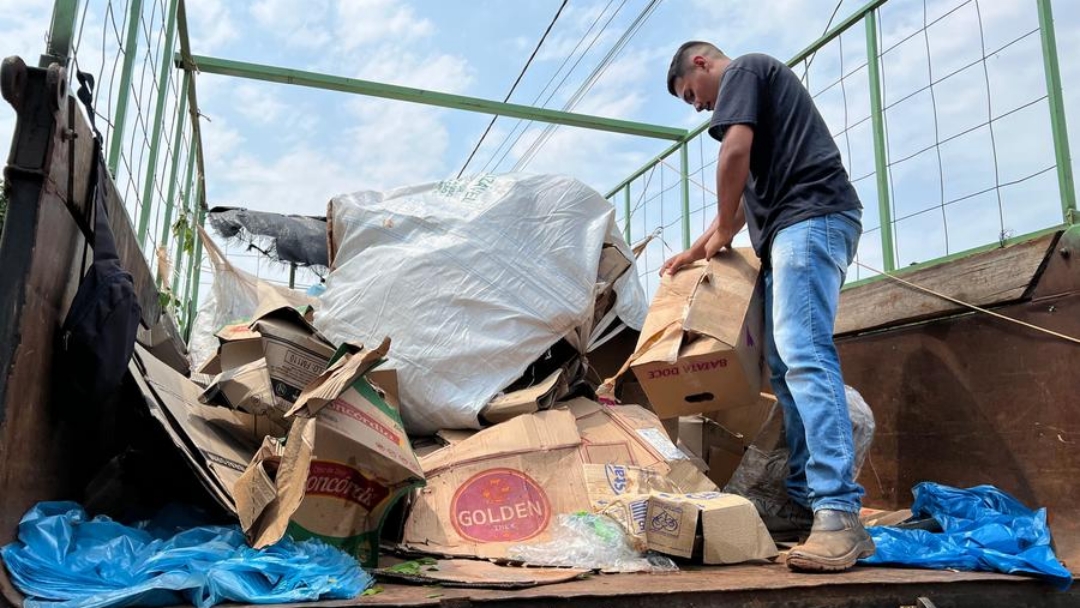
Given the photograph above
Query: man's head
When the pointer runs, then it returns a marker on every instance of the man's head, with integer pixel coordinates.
(694, 75)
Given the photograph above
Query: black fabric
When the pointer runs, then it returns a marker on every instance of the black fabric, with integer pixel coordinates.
(296, 239)
(98, 335)
(795, 167)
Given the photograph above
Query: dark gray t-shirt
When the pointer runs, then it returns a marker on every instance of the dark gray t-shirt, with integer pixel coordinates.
(795, 167)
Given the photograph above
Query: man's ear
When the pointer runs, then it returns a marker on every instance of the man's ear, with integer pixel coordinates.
(700, 61)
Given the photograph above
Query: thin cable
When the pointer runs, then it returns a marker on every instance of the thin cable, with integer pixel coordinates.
(591, 81)
(990, 117)
(937, 294)
(558, 86)
(555, 75)
(514, 86)
(810, 60)
(937, 130)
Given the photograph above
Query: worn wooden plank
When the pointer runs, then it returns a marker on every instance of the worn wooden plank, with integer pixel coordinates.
(984, 279)
(41, 248)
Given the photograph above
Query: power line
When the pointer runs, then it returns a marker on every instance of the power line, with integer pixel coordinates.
(555, 75)
(592, 79)
(507, 98)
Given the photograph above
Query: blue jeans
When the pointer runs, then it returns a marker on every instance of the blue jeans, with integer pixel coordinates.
(802, 289)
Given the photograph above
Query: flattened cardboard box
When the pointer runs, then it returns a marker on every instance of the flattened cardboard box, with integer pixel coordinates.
(728, 526)
(630, 435)
(345, 463)
(499, 487)
(701, 347)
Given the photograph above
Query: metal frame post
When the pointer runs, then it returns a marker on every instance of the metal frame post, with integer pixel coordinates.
(1056, 97)
(684, 170)
(626, 216)
(881, 163)
(131, 46)
(159, 116)
(184, 198)
(178, 135)
(61, 33)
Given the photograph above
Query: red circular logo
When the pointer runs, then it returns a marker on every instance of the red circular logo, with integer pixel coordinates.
(500, 505)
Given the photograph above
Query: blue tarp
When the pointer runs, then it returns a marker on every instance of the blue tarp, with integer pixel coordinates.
(983, 528)
(65, 559)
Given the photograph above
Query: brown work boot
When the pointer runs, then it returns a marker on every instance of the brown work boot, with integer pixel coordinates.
(836, 541)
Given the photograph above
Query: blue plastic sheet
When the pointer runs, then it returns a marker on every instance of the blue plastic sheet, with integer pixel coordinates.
(64, 559)
(983, 528)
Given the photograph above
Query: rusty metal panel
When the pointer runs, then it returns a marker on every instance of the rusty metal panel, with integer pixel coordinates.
(973, 399)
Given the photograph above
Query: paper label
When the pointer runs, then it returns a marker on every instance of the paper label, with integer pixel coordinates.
(661, 443)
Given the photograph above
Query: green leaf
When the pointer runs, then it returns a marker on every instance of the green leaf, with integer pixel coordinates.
(372, 591)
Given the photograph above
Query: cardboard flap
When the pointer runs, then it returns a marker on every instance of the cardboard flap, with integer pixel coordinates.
(672, 298)
(539, 432)
(245, 388)
(538, 397)
(338, 377)
(289, 483)
(720, 299)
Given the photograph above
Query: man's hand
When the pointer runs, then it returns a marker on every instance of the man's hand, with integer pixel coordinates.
(720, 240)
(676, 262)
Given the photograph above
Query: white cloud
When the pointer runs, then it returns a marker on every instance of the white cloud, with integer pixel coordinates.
(364, 22)
(211, 25)
(303, 25)
(258, 103)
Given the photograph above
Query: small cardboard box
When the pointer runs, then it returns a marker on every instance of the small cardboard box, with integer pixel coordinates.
(345, 463)
(292, 353)
(500, 487)
(701, 347)
(717, 528)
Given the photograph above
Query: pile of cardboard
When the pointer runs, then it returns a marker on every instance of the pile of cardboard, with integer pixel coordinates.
(296, 436)
(291, 436)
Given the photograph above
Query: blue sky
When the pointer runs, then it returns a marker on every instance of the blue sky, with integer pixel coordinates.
(291, 149)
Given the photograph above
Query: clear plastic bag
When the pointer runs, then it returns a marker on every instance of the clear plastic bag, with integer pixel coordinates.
(65, 559)
(762, 473)
(592, 541)
(233, 298)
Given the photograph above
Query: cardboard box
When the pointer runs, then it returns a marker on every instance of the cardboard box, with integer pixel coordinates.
(701, 347)
(717, 528)
(500, 487)
(608, 481)
(292, 353)
(345, 463)
(721, 438)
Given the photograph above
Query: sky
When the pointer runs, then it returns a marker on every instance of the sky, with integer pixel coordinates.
(290, 149)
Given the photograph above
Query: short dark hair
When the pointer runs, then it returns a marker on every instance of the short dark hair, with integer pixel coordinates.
(679, 61)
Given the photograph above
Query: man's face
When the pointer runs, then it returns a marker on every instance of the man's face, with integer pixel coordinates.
(699, 85)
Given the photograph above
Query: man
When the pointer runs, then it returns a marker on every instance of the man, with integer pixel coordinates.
(804, 219)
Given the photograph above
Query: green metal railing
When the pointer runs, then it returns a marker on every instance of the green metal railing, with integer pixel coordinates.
(157, 170)
(898, 196)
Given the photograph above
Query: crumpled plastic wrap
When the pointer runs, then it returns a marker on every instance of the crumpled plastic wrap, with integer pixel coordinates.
(591, 541)
(983, 528)
(65, 559)
(233, 298)
(475, 279)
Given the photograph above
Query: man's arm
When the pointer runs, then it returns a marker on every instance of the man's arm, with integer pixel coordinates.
(732, 170)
